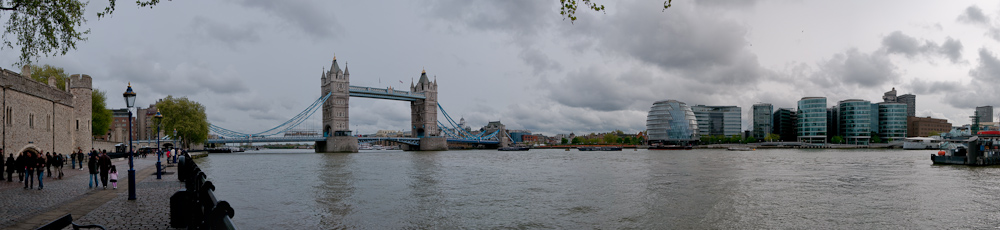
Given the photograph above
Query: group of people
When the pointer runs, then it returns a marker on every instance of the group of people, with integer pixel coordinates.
(28, 164)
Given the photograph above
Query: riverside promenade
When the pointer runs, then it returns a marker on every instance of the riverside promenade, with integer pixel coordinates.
(29, 209)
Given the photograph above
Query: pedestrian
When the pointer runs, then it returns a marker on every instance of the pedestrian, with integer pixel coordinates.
(59, 165)
(19, 166)
(11, 167)
(72, 160)
(48, 163)
(104, 163)
(40, 164)
(29, 170)
(114, 177)
(92, 166)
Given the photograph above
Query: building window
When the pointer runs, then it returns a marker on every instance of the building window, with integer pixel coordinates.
(31, 121)
(77, 124)
(48, 122)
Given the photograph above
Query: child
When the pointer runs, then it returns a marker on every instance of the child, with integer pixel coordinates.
(114, 177)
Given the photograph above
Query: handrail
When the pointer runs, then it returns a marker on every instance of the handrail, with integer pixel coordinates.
(196, 206)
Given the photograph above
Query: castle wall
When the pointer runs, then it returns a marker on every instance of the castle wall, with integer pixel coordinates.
(41, 116)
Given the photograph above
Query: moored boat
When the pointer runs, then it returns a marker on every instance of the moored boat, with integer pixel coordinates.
(670, 147)
(600, 148)
(741, 149)
(514, 148)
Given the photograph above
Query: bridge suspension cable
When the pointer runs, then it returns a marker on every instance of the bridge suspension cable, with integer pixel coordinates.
(281, 128)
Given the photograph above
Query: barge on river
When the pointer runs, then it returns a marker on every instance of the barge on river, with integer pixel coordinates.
(979, 150)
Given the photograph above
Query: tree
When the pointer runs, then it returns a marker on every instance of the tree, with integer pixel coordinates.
(876, 139)
(43, 73)
(48, 27)
(565, 141)
(99, 114)
(751, 139)
(576, 140)
(837, 140)
(610, 138)
(568, 7)
(934, 133)
(771, 137)
(185, 116)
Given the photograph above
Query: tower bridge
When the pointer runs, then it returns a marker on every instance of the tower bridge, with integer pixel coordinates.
(428, 133)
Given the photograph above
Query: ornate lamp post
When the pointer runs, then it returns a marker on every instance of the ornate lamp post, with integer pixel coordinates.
(159, 119)
(129, 102)
(175, 147)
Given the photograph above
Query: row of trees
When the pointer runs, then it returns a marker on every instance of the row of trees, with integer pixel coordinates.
(181, 114)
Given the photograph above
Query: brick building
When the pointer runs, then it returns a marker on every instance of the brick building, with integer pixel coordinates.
(923, 126)
(40, 117)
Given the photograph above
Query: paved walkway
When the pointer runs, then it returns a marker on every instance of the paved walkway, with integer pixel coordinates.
(28, 209)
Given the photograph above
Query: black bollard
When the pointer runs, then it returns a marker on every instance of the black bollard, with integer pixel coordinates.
(179, 206)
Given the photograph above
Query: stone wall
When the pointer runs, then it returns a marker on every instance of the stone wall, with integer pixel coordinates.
(81, 89)
(42, 117)
(104, 145)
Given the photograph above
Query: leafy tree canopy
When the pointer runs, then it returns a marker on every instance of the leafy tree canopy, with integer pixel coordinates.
(100, 114)
(43, 73)
(48, 27)
(185, 116)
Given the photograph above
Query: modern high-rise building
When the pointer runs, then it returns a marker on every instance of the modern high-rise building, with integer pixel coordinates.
(911, 104)
(891, 121)
(784, 124)
(811, 125)
(889, 96)
(832, 122)
(718, 120)
(762, 121)
(985, 113)
(855, 121)
(671, 121)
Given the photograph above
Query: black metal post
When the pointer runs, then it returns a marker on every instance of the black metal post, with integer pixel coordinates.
(159, 173)
(131, 167)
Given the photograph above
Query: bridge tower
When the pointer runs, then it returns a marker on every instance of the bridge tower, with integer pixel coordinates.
(336, 126)
(424, 115)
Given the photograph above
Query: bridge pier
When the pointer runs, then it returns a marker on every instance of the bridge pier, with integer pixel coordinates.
(338, 144)
(433, 144)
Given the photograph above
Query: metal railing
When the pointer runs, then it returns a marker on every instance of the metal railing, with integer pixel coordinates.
(195, 206)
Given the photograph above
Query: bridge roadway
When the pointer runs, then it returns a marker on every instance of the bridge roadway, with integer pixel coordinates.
(407, 140)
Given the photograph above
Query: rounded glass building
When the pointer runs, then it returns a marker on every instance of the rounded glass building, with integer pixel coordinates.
(812, 120)
(671, 121)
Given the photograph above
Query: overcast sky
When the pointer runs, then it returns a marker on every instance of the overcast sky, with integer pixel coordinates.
(256, 63)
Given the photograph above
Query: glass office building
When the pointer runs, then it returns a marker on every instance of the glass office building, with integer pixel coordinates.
(811, 123)
(891, 121)
(671, 121)
(762, 121)
(855, 121)
(719, 120)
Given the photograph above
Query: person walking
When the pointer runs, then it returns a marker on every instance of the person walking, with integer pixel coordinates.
(92, 166)
(72, 160)
(40, 164)
(48, 163)
(60, 160)
(11, 167)
(114, 177)
(29, 170)
(104, 163)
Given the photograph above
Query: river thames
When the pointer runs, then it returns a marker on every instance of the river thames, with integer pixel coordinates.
(693, 189)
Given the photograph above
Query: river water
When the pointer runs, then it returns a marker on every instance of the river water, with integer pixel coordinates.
(694, 189)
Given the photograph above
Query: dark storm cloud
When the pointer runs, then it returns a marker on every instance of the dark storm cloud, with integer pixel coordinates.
(918, 87)
(973, 15)
(855, 69)
(693, 43)
(307, 16)
(899, 43)
(226, 34)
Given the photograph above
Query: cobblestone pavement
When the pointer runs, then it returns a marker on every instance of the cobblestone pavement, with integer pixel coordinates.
(27, 209)
(150, 210)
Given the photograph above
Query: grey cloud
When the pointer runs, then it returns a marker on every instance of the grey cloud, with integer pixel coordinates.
(226, 34)
(520, 17)
(306, 16)
(714, 51)
(726, 3)
(176, 79)
(899, 43)
(973, 15)
(921, 87)
(988, 69)
(555, 119)
(539, 62)
(595, 89)
(854, 68)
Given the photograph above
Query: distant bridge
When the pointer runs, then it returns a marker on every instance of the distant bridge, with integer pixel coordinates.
(405, 140)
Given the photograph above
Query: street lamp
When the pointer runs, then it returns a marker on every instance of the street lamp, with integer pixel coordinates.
(159, 119)
(175, 147)
(129, 102)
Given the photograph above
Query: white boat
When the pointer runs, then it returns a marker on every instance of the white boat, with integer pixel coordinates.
(378, 147)
(922, 143)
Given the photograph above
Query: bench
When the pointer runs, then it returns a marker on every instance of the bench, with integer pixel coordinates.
(65, 221)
